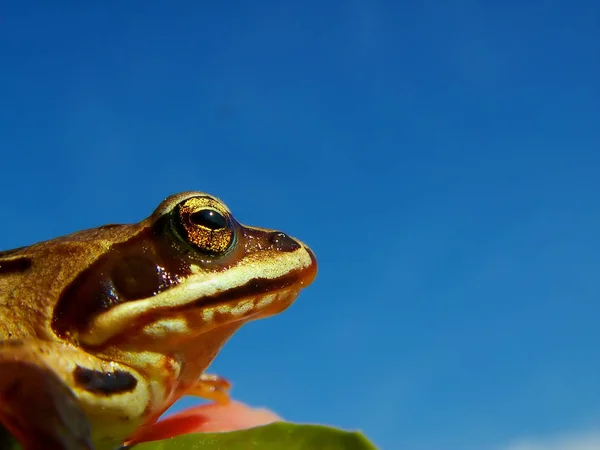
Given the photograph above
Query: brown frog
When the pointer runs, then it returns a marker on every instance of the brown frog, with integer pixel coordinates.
(102, 330)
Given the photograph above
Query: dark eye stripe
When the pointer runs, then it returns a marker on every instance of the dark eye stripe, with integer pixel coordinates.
(129, 271)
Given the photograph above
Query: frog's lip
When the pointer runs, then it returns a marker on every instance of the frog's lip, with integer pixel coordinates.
(256, 287)
(295, 280)
(257, 298)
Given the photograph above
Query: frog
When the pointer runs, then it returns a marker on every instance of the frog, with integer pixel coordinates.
(102, 330)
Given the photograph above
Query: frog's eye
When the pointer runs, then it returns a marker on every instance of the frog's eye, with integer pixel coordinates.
(203, 224)
(208, 218)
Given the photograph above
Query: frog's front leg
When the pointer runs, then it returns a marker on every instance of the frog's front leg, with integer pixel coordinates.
(36, 405)
(56, 392)
(211, 387)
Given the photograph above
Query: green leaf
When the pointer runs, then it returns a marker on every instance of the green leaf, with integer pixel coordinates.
(276, 436)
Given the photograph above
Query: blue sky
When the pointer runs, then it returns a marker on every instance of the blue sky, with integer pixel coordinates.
(442, 161)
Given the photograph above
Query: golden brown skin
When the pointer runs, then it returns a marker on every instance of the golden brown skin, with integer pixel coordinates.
(102, 330)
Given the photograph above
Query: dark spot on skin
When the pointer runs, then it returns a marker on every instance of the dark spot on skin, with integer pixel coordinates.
(15, 265)
(106, 383)
(282, 242)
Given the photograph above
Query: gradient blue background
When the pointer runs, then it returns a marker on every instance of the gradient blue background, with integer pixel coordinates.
(442, 158)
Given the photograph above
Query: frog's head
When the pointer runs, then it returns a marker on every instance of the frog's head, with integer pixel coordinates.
(187, 269)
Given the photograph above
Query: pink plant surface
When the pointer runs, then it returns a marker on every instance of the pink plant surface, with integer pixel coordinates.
(207, 418)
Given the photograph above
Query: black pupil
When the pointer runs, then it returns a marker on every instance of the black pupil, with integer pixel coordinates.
(209, 219)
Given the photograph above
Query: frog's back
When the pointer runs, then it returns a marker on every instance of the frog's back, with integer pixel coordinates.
(33, 278)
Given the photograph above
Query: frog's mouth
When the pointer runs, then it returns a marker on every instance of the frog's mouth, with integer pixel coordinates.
(256, 298)
(248, 283)
(254, 288)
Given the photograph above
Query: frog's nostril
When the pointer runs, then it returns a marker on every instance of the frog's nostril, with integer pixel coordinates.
(282, 242)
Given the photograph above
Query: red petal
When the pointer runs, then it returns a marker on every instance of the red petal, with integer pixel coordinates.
(207, 418)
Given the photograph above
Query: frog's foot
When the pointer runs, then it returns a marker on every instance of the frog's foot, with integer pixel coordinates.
(211, 387)
(36, 406)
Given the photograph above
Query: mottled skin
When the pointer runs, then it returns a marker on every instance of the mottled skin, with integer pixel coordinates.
(102, 330)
